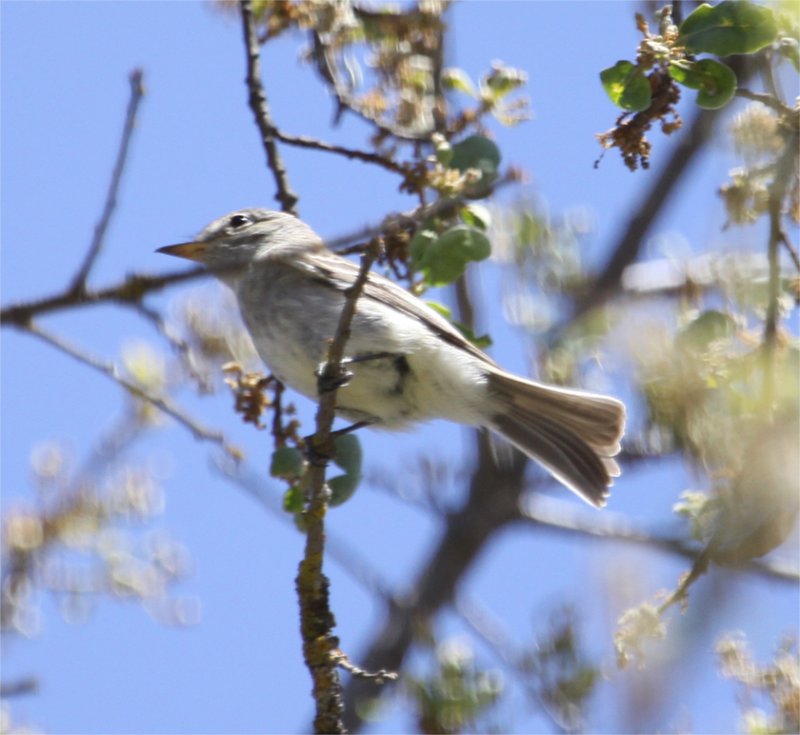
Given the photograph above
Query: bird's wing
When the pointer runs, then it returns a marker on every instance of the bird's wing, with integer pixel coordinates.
(341, 274)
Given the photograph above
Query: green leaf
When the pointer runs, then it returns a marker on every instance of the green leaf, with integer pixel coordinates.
(476, 215)
(439, 308)
(444, 153)
(348, 453)
(481, 341)
(716, 82)
(454, 78)
(501, 81)
(342, 489)
(293, 500)
(732, 27)
(446, 259)
(287, 462)
(348, 457)
(418, 247)
(480, 153)
(627, 86)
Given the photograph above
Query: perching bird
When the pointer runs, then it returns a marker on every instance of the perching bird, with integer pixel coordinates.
(409, 364)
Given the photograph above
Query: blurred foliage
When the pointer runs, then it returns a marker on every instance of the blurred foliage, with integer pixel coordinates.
(385, 64)
(635, 630)
(775, 686)
(761, 137)
(559, 672)
(456, 694)
(79, 541)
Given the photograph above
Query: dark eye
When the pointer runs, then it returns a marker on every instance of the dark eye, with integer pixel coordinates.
(239, 220)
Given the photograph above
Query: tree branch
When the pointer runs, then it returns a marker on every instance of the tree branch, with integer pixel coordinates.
(260, 108)
(135, 287)
(110, 370)
(562, 516)
(129, 291)
(320, 646)
(304, 141)
(765, 99)
(137, 93)
(791, 249)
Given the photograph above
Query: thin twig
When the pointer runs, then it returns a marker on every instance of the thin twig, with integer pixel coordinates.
(110, 370)
(346, 101)
(791, 249)
(379, 677)
(786, 166)
(440, 207)
(19, 687)
(316, 619)
(258, 104)
(180, 345)
(765, 99)
(304, 141)
(137, 93)
(681, 592)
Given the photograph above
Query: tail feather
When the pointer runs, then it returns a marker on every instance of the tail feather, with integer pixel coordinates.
(575, 435)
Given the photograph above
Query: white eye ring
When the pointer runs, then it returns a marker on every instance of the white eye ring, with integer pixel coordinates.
(238, 220)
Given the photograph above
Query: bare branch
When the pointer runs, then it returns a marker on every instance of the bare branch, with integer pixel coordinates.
(681, 592)
(19, 687)
(562, 516)
(791, 249)
(260, 108)
(161, 403)
(129, 291)
(137, 93)
(304, 141)
(135, 287)
(180, 345)
(765, 99)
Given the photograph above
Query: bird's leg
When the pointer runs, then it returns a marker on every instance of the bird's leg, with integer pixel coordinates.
(315, 455)
(350, 429)
(327, 383)
(366, 356)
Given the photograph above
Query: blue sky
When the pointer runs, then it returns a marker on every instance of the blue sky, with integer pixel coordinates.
(196, 155)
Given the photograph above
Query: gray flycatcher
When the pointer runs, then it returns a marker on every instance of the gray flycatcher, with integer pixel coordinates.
(409, 363)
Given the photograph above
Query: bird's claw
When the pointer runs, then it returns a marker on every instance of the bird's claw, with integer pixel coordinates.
(327, 383)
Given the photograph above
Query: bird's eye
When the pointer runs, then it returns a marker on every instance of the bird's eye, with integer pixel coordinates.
(238, 220)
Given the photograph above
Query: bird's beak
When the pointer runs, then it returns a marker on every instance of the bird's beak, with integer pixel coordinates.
(188, 250)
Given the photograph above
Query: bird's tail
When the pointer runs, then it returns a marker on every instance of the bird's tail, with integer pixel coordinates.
(573, 434)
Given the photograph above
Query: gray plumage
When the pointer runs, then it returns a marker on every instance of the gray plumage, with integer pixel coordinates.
(290, 290)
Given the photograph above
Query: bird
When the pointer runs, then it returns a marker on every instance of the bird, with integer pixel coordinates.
(406, 362)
